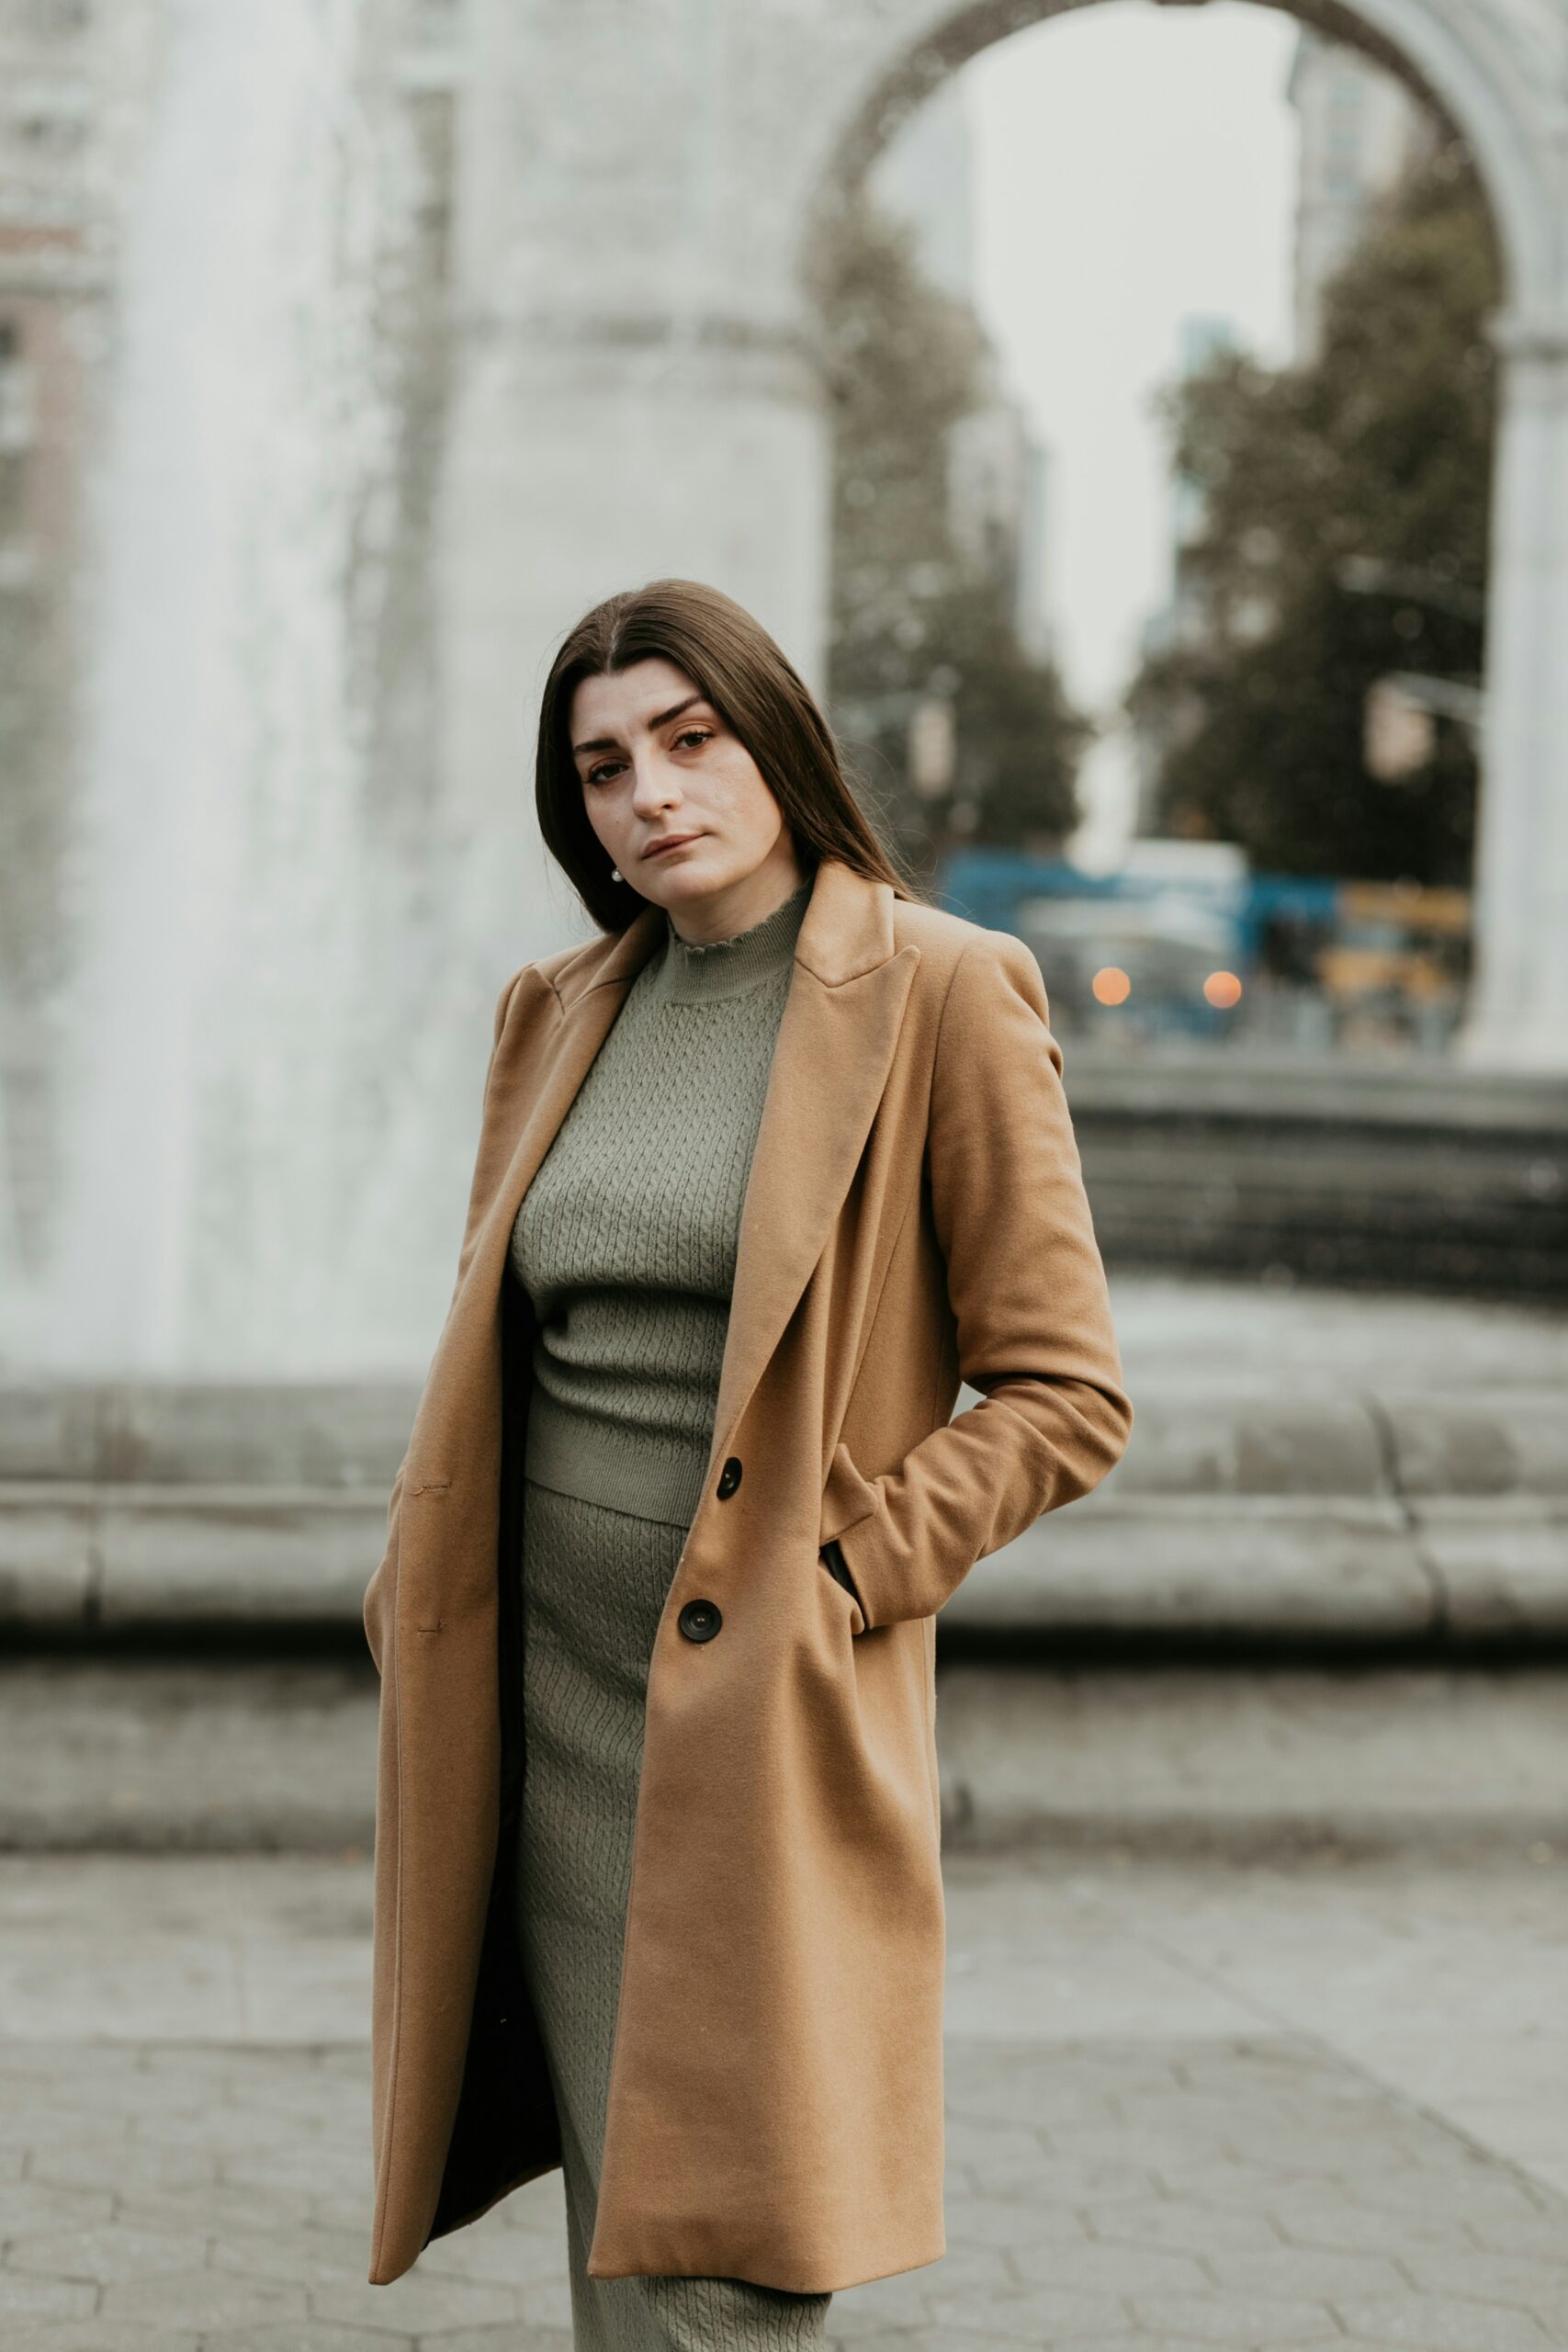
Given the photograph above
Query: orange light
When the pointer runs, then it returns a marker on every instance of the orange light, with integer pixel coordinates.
(1222, 988)
(1112, 985)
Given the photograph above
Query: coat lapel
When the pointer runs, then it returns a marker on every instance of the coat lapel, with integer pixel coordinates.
(835, 1047)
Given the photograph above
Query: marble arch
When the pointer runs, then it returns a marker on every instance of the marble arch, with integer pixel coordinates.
(637, 389)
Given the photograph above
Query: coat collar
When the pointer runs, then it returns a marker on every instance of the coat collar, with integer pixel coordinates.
(847, 930)
(830, 1064)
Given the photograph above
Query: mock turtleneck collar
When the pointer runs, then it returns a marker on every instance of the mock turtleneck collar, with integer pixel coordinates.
(724, 968)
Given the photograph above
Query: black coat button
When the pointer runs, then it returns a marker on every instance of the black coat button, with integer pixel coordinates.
(700, 1621)
(729, 1478)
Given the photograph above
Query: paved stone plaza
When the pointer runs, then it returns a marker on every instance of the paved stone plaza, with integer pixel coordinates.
(1188, 2104)
(1257, 2027)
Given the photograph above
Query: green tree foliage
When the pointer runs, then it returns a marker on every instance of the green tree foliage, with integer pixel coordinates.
(1372, 465)
(904, 364)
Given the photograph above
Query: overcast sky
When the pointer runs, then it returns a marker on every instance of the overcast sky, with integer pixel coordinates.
(1135, 166)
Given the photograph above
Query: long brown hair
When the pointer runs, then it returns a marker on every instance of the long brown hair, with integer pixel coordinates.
(758, 693)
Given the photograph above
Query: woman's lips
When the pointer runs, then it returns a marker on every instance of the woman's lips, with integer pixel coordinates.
(657, 849)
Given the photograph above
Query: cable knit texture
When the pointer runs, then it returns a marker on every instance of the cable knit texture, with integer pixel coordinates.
(627, 1238)
(626, 1241)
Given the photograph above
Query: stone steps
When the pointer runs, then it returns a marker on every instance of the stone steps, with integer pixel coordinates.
(1424, 1175)
(1243, 1513)
(223, 1756)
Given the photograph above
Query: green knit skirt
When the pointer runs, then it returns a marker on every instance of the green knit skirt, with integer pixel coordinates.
(593, 1583)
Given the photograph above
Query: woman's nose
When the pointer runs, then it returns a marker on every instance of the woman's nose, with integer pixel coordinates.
(655, 786)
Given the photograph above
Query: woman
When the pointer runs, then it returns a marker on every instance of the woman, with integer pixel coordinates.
(766, 1172)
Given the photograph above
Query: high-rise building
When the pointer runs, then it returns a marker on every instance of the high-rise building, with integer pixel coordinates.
(998, 464)
(1183, 618)
(1359, 131)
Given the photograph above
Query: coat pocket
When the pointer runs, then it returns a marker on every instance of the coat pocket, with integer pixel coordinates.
(832, 1558)
(834, 1564)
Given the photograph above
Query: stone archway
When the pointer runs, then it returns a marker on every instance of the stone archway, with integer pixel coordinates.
(638, 391)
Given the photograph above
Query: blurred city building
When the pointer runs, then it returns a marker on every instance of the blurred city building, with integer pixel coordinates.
(999, 464)
(1360, 130)
(1182, 618)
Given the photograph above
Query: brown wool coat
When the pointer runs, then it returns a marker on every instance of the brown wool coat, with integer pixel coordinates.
(915, 1217)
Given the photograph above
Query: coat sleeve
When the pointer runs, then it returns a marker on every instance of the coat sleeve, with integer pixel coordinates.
(1028, 1294)
(377, 1594)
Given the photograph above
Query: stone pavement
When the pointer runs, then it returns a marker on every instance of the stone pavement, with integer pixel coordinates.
(1190, 2105)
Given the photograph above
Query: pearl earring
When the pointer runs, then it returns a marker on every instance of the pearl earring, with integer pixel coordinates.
(616, 874)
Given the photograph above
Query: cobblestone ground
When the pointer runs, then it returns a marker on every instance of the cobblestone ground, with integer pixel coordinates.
(1189, 2106)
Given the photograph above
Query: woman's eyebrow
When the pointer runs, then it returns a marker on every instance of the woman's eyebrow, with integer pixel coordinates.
(659, 718)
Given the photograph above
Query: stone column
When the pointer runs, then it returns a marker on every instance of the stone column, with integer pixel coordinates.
(632, 396)
(1519, 1015)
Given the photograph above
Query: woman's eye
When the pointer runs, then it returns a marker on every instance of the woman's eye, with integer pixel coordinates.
(608, 768)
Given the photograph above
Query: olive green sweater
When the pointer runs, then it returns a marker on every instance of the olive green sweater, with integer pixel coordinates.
(627, 1238)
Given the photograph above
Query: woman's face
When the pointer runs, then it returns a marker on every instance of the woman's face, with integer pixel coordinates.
(658, 764)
